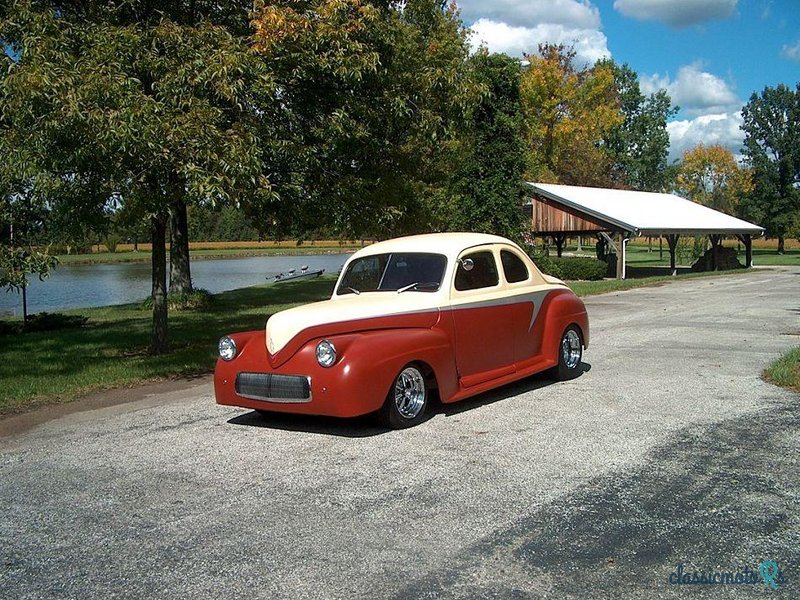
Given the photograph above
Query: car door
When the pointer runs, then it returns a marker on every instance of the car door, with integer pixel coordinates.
(482, 323)
(524, 297)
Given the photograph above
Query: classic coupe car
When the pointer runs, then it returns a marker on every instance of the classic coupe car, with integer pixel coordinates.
(460, 313)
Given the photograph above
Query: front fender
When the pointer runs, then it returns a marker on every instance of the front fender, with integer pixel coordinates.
(358, 381)
(372, 360)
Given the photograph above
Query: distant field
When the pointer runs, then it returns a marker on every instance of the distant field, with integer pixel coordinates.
(200, 250)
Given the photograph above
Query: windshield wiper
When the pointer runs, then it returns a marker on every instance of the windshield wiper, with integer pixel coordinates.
(416, 286)
(408, 287)
(354, 290)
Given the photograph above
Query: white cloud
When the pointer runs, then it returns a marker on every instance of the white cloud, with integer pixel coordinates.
(791, 52)
(697, 92)
(590, 44)
(676, 13)
(723, 129)
(575, 14)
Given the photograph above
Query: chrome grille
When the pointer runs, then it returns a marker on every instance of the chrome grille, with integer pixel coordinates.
(274, 387)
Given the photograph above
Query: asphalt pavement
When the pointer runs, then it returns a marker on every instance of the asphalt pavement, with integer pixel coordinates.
(668, 450)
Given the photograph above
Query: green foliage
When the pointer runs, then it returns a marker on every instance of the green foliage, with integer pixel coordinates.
(572, 268)
(639, 145)
(487, 186)
(17, 262)
(772, 148)
(375, 95)
(225, 224)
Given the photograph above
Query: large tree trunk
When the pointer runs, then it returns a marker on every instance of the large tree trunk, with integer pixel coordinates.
(159, 343)
(180, 276)
(780, 245)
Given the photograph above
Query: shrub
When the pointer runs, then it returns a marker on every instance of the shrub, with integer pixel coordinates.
(572, 268)
(197, 299)
(111, 241)
(43, 322)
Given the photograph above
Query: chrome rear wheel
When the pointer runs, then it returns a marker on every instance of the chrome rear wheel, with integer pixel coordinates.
(570, 354)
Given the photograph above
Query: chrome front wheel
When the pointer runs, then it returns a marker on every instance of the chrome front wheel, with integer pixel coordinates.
(407, 399)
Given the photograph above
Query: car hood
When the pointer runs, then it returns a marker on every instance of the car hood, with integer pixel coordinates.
(370, 310)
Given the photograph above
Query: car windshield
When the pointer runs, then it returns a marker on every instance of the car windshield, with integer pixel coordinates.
(395, 272)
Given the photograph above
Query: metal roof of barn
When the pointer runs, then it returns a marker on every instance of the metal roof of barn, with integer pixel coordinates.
(644, 213)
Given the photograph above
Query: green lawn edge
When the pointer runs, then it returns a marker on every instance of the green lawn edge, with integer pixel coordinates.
(110, 351)
(785, 371)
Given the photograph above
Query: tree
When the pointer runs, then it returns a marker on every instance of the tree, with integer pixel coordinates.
(711, 176)
(488, 183)
(21, 218)
(639, 145)
(772, 149)
(567, 113)
(143, 115)
(376, 93)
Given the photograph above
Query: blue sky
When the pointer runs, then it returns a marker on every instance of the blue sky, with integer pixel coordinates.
(710, 55)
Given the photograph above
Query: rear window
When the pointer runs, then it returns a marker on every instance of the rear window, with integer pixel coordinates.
(513, 267)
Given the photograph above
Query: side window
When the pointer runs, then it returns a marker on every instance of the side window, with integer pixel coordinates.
(483, 272)
(513, 267)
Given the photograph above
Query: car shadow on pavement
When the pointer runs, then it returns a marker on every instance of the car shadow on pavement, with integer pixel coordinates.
(529, 384)
(357, 427)
(368, 426)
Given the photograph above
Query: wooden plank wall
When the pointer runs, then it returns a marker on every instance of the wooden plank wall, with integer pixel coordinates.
(547, 217)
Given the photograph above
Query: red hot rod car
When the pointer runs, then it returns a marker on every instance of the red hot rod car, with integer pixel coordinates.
(458, 312)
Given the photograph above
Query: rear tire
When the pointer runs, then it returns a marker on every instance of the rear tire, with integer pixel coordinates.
(407, 399)
(570, 353)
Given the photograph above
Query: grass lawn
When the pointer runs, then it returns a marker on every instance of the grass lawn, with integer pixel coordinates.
(111, 349)
(637, 255)
(785, 371)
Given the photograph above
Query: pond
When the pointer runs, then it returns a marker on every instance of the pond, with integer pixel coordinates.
(84, 286)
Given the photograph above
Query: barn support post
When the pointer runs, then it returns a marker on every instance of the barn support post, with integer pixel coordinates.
(672, 242)
(619, 244)
(661, 247)
(716, 240)
(560, 240)
(747, 240)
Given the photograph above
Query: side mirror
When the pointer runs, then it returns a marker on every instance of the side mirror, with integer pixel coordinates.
(467, 264)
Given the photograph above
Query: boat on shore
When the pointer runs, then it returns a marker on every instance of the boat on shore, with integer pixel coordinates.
(292, 274)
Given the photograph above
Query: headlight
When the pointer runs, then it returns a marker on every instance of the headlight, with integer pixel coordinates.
(227, 348)
(326, 353)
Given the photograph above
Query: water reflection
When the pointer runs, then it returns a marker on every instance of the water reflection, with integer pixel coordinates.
(83, 286)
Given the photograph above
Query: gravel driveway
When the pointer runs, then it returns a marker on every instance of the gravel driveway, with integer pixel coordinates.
(668, 450)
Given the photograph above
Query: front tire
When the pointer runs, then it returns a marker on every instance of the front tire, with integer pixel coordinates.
(407, 399)
(570, 353)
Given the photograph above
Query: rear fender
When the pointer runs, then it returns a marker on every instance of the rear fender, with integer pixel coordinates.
(563, 310)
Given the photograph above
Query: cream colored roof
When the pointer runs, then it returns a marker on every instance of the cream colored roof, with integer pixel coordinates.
(449, 244)
(646, 213)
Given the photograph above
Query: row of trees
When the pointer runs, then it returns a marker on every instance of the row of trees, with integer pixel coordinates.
(365, 118)
(765, 189)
